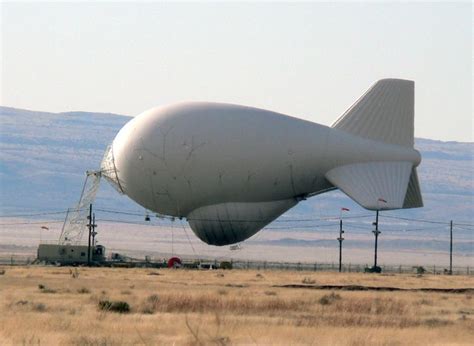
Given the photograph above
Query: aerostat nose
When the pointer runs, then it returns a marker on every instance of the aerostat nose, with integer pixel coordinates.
(117, 165)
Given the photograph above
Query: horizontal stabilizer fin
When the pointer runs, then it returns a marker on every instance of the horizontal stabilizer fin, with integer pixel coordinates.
(374, 185)
(413, 197)
(384, 113)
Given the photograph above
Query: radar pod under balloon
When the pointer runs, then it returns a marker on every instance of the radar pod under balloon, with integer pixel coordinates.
(230, 170)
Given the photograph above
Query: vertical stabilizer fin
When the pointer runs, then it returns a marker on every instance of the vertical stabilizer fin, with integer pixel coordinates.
(384, 113)
(413, 197)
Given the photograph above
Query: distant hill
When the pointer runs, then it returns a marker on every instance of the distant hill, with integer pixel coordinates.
(44, 156)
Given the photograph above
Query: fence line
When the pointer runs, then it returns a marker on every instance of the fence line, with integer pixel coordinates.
(290, 266)
(349, 267)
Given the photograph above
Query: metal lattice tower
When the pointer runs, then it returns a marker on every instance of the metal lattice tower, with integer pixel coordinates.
(109, 170)
(76, 221)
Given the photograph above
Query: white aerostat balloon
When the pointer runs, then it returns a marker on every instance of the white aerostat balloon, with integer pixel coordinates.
(230, 170)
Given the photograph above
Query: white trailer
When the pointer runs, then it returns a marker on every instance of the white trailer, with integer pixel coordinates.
(70, 254)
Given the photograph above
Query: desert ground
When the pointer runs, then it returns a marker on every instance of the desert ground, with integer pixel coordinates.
(118, 306)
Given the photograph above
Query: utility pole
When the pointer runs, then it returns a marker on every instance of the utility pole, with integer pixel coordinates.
(376, 233)
(89, 237)
(94, 233)
(340, 239)
(451, 248)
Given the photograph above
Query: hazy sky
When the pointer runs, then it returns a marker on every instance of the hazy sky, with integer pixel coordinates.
(307, 60)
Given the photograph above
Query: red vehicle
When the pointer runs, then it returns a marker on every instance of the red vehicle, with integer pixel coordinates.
(174, 262)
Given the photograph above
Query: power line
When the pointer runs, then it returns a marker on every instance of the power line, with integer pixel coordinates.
(120, 212)
(316, 226)
(328, 218)
(426, 221)
(35, 214)
(335, 218)
(144, 223)
(41, 213)
(296, 228)
(463, 228)
(416, 229)
(30, 223)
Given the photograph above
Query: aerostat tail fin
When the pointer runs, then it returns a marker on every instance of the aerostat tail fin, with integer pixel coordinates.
(413, 197)
(385, 113)
(379, 185)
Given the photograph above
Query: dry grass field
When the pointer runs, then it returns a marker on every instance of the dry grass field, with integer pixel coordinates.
(53, 305)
